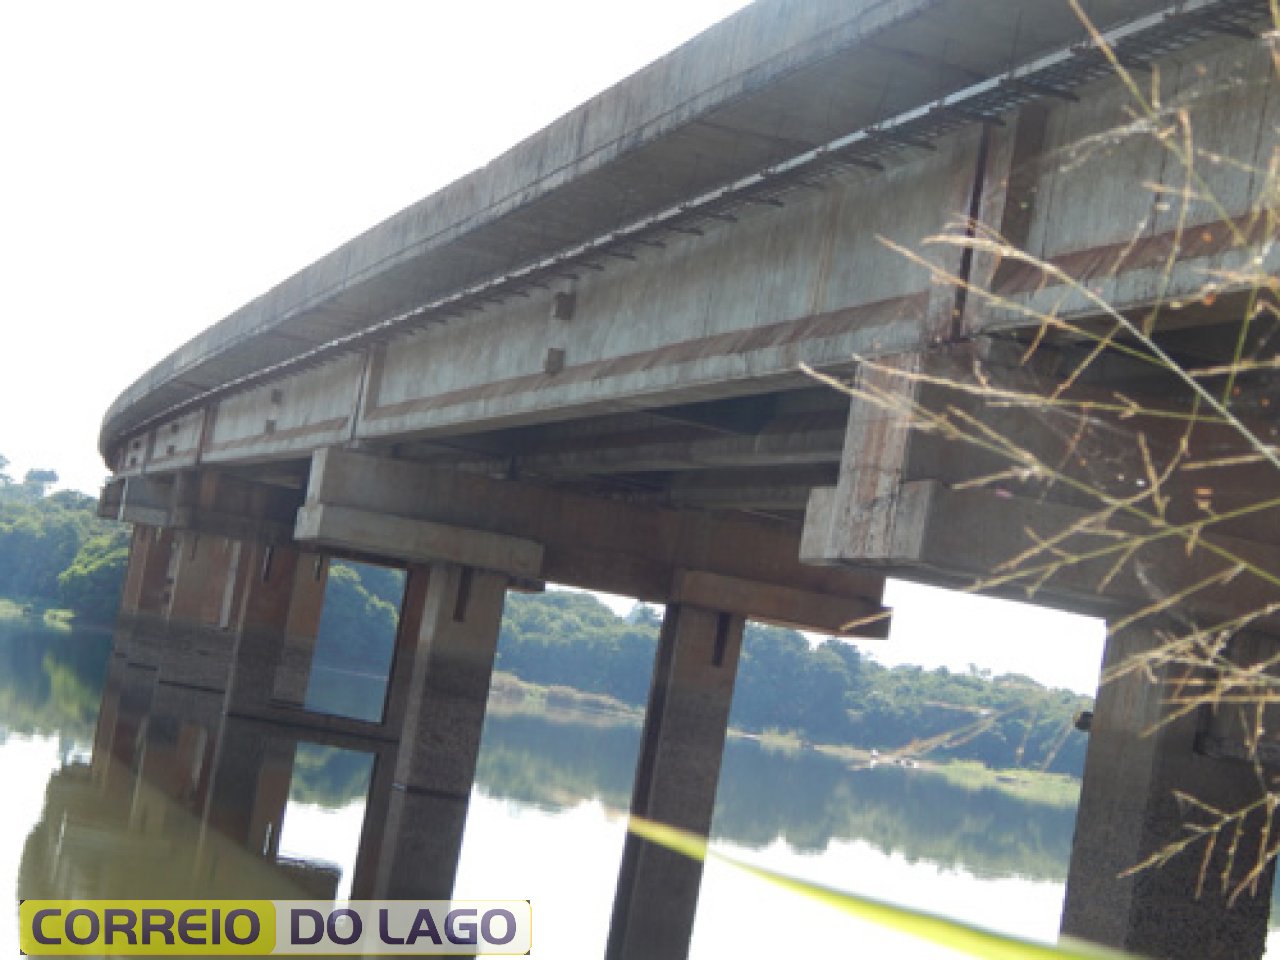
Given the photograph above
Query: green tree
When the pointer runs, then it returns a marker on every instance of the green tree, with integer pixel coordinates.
(91, 584)
(44, 537)
(38, 481)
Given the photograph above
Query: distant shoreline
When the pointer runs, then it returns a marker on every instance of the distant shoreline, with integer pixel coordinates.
(511, 696)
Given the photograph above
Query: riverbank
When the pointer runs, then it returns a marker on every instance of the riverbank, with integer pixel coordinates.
(510, 696)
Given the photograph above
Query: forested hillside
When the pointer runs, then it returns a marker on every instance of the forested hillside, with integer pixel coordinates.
(55, 552)
(829, 693)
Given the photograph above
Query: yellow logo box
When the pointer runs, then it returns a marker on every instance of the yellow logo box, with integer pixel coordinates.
(228, 928)
(52, 928)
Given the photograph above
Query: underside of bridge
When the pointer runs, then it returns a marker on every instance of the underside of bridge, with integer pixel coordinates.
(699, 343)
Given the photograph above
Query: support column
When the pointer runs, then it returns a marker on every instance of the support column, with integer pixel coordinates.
(199, 636)
(135, 654)
(400, 678)
(250, 788)
(145, 597)
(107, 725)
(276, 587)
(448, 691)
(676, 778)
(120, 730)
(1137, 759)
(364, 874)
(145, 584)
(302, 627)
(182, 730)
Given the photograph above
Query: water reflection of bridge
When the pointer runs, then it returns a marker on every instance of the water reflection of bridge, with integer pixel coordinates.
(177, 796)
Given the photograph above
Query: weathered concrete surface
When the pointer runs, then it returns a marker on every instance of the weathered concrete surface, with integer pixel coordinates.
(960, 471)
(777, 77)
(1140, 755)
(634, 550)
(279, 609)
(426, 807)
(678, 770)
(1111, 204)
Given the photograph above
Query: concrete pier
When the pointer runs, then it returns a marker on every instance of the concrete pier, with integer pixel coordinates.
(676, 778)
(250, 786)
(282, 591)
(451, 668)
(1141, 757)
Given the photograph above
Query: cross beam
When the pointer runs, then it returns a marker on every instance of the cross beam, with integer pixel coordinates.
(744, 565)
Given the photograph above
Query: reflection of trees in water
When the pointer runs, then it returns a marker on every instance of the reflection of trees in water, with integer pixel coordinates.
(810, 800)
(807, 799)
(51, 682)
(550, 765)
(329, 776)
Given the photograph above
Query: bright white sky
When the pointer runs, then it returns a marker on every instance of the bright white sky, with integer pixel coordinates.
(163, 163)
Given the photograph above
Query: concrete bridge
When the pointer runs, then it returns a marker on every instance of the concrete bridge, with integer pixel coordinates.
(583, 364)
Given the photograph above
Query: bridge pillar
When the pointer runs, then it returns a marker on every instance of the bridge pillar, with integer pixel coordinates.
(175, 759)
(182, 730)
(676, 777)
(144, 600)
(146, 579)
(198, 637)
(447, 692)
(302, 627)
(373, 832)
(1140, 754)
(135, 655)
(281, 592)
(121, 724)
(250, 787)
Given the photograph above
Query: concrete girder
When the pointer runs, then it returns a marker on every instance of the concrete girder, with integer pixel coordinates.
(791, 441)
(416, 541)
(610, 545)
(964, 537)
(204, 502)
(934, 449)
(1099, 242)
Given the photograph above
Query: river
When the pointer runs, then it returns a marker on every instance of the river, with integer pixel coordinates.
(546, 822)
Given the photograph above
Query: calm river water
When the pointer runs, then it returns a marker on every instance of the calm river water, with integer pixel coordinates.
(546, 823)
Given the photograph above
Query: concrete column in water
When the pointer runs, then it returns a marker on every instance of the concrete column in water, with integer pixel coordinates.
(382, 777)
(676, 778)
(252, 773)
(302, 627)
(135, 656)
(1141, 754)
(280, 593)
(198, 634)
(448, 689)
(144, 599)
